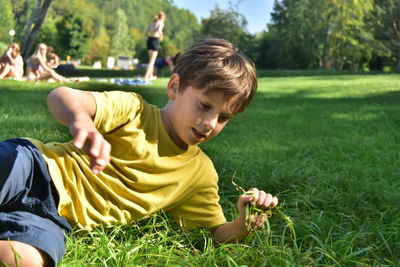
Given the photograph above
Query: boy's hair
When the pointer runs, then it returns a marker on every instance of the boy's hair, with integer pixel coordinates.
(217, 65)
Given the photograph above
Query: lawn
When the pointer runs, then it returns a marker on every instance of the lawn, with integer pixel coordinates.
(328, 146)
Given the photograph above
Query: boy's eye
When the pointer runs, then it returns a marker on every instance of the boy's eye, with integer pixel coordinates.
(223, 118)
(204, 106)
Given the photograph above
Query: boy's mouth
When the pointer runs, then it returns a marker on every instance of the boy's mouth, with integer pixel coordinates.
(199, 136)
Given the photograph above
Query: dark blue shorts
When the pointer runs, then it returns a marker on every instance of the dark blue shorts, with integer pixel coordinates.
(28, 212)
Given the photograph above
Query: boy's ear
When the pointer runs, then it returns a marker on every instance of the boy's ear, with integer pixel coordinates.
(173, 85)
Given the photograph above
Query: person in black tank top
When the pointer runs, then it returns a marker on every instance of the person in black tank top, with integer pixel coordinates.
(155, 35)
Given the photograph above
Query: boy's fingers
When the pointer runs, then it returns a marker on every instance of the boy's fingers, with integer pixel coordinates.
(80, 138)
(97, 164)
(254, 195)
(262, 197)
(94, 166)
(274, 202)
(96, 144)
(267, 201)
(104, 157)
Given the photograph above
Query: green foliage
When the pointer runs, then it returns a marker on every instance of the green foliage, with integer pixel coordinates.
(303, 34)
(139, 14)
(330, 34)
(387, 28)
(99, 48)
(3, 47)
(228, 25)
(119, 44)
(6, 20)
(22, 10)
(182, 28)
(72, 41)
(49, 34)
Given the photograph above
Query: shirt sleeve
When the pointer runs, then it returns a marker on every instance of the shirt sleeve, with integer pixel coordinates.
(114, 109)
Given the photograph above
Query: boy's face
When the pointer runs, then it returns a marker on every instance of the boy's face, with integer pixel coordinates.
(194, 116)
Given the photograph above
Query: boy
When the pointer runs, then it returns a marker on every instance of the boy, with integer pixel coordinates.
(128, 159)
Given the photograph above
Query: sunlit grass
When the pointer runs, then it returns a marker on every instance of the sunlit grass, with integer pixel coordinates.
(328, 145)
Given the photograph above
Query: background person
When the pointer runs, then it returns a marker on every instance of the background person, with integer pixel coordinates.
(11, 63)
(155, 35)
(38, 69)
(53, 60)
(163, 62)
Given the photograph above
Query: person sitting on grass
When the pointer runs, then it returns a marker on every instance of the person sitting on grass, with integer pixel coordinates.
(11, 63)
(128, 159)
(38, 69)
(53, 60)
(163, 62)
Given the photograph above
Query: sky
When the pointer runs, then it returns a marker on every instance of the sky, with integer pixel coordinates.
(257, 12)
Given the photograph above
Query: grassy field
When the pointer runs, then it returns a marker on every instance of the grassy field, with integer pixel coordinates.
(327, 145)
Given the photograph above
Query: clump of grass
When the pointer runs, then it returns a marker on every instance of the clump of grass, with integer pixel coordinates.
(252, 211)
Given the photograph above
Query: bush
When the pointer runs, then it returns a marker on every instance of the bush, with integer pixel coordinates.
(3, 47)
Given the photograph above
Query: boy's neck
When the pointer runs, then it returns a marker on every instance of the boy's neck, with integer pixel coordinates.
(170, 130)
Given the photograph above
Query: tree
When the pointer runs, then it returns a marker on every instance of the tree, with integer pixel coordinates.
(387, 28)
(79, 34)
(6, 19)
(48, 33)
(120, 39)
(33, 26)
(22, 10)
(293, 37)
(72, 39)
(229, 25)
(99, 48)
(331, 34)
(181, 37)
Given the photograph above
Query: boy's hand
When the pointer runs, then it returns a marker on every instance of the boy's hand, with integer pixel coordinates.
(90, 140)
(259, 199)
(239, 229)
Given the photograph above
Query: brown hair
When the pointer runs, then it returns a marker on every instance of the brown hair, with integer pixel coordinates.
(16, 51)
(16, 47)
(50, 50)
(159, 16)
(217, 65)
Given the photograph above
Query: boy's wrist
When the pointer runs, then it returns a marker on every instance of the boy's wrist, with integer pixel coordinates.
(234, 231)
(241, 226)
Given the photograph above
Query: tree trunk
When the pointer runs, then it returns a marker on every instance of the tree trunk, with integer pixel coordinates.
(33, 26)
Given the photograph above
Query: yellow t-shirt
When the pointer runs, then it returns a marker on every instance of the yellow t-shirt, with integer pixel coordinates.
(147, 171)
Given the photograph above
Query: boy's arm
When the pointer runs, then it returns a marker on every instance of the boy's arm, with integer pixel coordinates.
(237, 230)
(76, 109)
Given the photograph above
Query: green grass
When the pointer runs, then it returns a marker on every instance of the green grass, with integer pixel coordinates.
(328, 145)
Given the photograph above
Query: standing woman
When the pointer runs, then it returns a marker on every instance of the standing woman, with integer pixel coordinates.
(155, 35)
(11, 63)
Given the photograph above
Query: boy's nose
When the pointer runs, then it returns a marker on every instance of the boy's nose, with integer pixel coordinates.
(211, 122)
